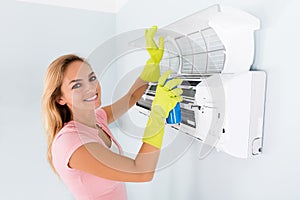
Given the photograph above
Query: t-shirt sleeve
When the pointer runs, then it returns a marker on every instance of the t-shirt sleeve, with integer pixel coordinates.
(68, 143)
(101, 116)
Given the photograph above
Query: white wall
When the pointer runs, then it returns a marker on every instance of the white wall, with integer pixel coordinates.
(31, 37)
(273, 175)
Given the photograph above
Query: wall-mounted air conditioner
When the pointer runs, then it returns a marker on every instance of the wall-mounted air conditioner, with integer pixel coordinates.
(212, 51)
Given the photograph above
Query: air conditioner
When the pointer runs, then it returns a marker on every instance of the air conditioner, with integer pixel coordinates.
(212, 51)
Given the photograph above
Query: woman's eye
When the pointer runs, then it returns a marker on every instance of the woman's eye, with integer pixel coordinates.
(93, 78)
(77, 85)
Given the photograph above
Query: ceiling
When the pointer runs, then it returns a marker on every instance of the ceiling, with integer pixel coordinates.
(111, 6)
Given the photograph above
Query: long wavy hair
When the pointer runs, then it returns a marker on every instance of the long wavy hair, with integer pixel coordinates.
(54, 114)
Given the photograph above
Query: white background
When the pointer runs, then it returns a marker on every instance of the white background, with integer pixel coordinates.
(33, 35)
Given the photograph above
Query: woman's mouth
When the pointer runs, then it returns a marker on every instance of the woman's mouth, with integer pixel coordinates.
(93, 98)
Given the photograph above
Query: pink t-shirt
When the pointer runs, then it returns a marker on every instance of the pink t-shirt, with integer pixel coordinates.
(84, 185)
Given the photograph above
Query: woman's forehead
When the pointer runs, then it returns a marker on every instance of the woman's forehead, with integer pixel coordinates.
(78, 69)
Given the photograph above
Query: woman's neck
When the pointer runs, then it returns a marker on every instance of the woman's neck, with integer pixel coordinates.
(87, 118)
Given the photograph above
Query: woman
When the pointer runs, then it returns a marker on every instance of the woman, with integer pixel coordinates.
(79, 140)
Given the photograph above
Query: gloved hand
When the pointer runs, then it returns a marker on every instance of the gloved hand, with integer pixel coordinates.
(164, 101)
(151, 71)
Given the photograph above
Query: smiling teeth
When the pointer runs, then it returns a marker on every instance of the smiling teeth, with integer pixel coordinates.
(92, 98)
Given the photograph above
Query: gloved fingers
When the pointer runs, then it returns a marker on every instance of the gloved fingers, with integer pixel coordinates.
(173, 83)
(179, 98)
(161, 43)
(152, 31)
(149, 35)
(164, 77)
(150, 44)
(177, 91)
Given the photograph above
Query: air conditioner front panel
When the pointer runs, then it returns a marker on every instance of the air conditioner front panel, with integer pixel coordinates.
(216, 43)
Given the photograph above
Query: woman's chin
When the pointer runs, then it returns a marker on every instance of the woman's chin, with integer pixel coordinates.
(97, 105)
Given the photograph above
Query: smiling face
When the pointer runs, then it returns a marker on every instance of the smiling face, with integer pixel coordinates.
(80, 88)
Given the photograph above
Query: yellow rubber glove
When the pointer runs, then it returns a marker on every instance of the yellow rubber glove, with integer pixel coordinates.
(151, 71)
(164, 101)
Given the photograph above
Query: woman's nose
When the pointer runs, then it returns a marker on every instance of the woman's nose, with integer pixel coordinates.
(91, 87)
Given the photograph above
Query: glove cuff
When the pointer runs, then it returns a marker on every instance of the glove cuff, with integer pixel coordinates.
(155, 140)
(154, 130)
(151, 71)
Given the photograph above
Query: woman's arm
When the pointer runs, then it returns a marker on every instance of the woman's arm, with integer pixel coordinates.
(150, 73)
(96, 159)
(121, 106)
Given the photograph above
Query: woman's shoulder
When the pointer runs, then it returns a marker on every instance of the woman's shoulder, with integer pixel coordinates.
(75, 133)
(68, 130)
(77, 129)
(68, 127)
(101, 115)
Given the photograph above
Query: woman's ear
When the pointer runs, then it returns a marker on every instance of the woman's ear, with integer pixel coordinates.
(61, 101)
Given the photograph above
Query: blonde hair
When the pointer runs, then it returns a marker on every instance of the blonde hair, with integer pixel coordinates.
(54, 114)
